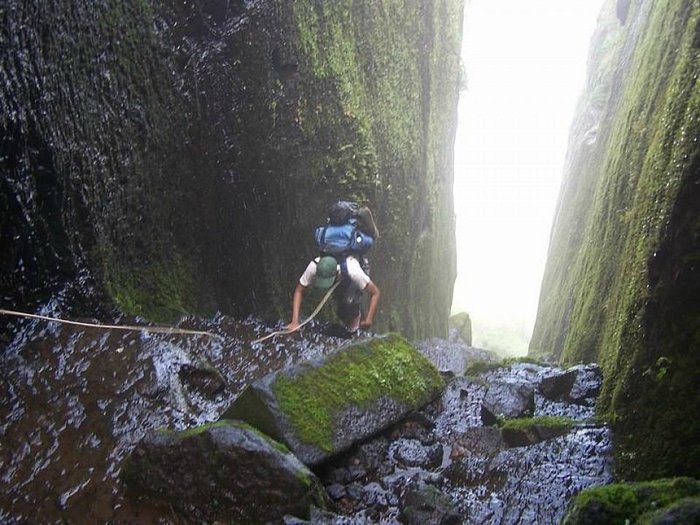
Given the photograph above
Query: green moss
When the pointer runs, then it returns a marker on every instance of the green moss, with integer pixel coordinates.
(160, 292)
(381, 367)
(525, 423)
(195, 431)
(618, 288)
(621, 503)
(508, 361)
(482, 367)
(685, 510)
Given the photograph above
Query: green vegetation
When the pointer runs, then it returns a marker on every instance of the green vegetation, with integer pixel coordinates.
(525, 423)
(388, 367)
(620, 287)
(481, 367)
(621, 503)
(160, 292)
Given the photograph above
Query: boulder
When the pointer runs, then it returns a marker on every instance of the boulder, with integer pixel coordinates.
(589, 379)
(509, 399)
(225, 471)
(557, 386)
(320, 408)
(525, 432)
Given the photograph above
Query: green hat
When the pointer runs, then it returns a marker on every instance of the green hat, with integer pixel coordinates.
(326, 270)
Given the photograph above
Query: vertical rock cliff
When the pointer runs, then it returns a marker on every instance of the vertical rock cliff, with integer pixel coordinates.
(622, 281)
(176, 157)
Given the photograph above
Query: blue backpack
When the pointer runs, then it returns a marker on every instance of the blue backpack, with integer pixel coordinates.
(343, 239)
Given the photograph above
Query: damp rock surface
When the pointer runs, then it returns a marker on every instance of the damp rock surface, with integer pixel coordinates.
(241, 474)
(481, 477)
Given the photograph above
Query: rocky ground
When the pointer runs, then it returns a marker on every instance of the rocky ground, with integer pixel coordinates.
(76, 402)
(457, 462)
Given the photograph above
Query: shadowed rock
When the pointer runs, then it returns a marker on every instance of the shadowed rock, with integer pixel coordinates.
(224, 471)
(322, 407)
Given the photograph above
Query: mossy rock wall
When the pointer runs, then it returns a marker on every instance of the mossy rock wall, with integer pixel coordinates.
(176, 156)
(622, 281)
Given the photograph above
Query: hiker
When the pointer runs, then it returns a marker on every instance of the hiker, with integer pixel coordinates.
(322, 272)
(343, 242)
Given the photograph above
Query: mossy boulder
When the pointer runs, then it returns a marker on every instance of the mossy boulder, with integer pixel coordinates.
(523, 432)
(320, 408)
(621, 503)
(225, 471)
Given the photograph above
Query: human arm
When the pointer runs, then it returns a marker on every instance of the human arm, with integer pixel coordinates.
(296, 306)
(374, 295)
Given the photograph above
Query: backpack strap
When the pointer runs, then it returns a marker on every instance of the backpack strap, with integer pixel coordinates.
(344, 266)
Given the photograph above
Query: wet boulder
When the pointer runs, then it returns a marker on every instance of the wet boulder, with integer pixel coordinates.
(558, 385)
(589, 379)
(529, 431)
(509, 399)
(224, 471)
(320, 408)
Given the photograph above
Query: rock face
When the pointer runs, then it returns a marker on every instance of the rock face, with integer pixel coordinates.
(176, 157)
(321, 408)
(622, 281)
(225, 471)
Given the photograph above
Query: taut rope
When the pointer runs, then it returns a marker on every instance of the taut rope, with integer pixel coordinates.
(156, 329)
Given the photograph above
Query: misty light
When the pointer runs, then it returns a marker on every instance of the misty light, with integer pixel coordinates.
(525, 64)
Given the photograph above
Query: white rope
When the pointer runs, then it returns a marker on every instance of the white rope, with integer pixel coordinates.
(156, 329)
(314, 314)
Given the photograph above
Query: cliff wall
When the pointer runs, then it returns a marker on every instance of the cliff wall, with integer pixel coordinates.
(622, 281)
(174, 158)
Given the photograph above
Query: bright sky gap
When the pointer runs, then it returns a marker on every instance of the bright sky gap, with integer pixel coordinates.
(525, 64)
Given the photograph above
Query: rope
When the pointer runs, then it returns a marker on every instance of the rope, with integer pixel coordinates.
(156, 329)
(314, 314)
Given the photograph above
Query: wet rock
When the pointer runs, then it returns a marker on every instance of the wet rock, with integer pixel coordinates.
(372, 454)
(522, 437)
(589, 379)
(202, 377)
(460, 407)
(224, 471)
(558, 386)
(428, 506)
(508, 399)
(533, 484)
(482, 441)
(450, 358)
(411, 453)
(321, 408)
(467, 471)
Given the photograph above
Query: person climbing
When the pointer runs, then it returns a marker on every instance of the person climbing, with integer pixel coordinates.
(343, 242)
(322, 273)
